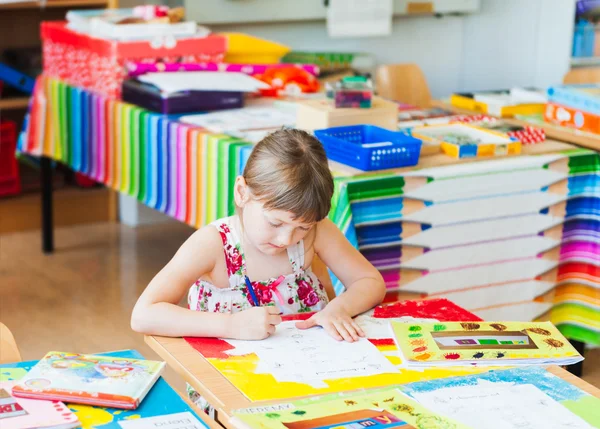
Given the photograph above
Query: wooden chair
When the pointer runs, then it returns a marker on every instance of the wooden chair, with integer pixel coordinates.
(405, 83)
(583, 75)
(9, 352)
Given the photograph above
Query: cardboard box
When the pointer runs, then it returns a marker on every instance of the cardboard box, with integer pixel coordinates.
(320, 114)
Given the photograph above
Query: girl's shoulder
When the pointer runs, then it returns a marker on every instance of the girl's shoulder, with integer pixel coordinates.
(209, 237)
(325, 230)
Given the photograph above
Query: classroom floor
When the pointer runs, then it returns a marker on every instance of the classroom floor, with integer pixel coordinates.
(80, 298)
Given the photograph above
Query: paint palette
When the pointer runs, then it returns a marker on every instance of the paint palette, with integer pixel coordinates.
(483, 343)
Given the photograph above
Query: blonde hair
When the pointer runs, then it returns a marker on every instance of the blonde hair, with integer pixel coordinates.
(288, 170)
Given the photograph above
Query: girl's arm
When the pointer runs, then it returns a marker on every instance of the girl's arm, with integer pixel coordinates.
(157, 311)
(365, 287)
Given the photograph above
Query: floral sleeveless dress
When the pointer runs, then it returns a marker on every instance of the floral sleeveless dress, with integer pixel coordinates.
(298, 292)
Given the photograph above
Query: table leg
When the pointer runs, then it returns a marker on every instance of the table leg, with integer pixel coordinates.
(577, 369)
(47, 224)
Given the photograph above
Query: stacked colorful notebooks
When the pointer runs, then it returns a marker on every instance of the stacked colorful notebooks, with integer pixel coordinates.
(487, 235)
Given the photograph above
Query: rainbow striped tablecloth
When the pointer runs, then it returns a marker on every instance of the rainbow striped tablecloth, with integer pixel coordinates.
(510, 239)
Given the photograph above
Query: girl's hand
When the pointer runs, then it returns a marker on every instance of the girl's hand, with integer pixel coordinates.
(256, 323)
(336, 321)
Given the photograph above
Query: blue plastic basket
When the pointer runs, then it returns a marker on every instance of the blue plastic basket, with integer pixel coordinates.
(368, 147)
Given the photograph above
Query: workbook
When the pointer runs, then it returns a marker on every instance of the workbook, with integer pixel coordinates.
(89, 379)
(483, 343)
(20, 413)
(377, 409)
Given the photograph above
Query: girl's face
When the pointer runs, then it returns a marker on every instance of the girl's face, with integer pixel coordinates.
(272, 231)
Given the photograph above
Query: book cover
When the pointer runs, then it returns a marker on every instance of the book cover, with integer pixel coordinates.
(483, 343)
(376, 409)
(18, 413)
(90, 379)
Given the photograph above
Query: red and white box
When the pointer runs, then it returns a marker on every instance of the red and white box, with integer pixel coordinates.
(100, 64)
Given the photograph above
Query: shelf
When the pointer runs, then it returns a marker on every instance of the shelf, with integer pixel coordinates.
(585, 61)
(54, 3)
(14, 103)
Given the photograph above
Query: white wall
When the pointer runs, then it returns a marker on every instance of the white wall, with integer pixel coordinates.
(516, 43)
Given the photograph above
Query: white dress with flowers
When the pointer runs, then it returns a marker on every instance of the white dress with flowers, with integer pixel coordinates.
(298, 292)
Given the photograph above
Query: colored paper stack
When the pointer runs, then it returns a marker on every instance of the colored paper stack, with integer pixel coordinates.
(487, 235)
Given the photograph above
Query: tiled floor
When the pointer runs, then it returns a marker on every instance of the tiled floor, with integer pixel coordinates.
(80, 298)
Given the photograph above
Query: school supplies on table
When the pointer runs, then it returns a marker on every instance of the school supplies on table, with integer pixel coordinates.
(331, 62)
(90, 379)
(238, 121)
(508, 399)
(136, 69)
(378, 409)
(20, 413)
(246, 49)
(368, 147)
(503, 103)
(462, 140)
(572, 117)
(584, 97)
(174, 82)
(152, 98)
(321, 113)
(287, 80)
(483, 343)
(351, 91)
(161, 402)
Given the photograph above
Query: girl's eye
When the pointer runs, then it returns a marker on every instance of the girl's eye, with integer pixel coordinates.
(274, 225)
(304, 229)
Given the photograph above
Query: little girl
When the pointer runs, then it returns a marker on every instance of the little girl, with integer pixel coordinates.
(247, 270)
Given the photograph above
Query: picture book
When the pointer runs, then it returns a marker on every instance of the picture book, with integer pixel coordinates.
(483, 343)
(162, 402)
(514, 398)
(377, 409)
(90, 379)
(20, 413)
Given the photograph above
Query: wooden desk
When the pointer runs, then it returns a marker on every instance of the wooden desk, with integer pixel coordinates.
(569, 135)
(224, 397)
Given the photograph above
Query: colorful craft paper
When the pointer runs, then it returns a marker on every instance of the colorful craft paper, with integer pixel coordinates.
(483, 343)
(378, 409)
(580, 403)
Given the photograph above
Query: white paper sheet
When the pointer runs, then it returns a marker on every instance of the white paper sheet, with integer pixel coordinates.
(203, 81)
(359, 18)
(483, 231)
(501, 406)
(312, 356)
(234, 121)
(381, 328)
(185, 420)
